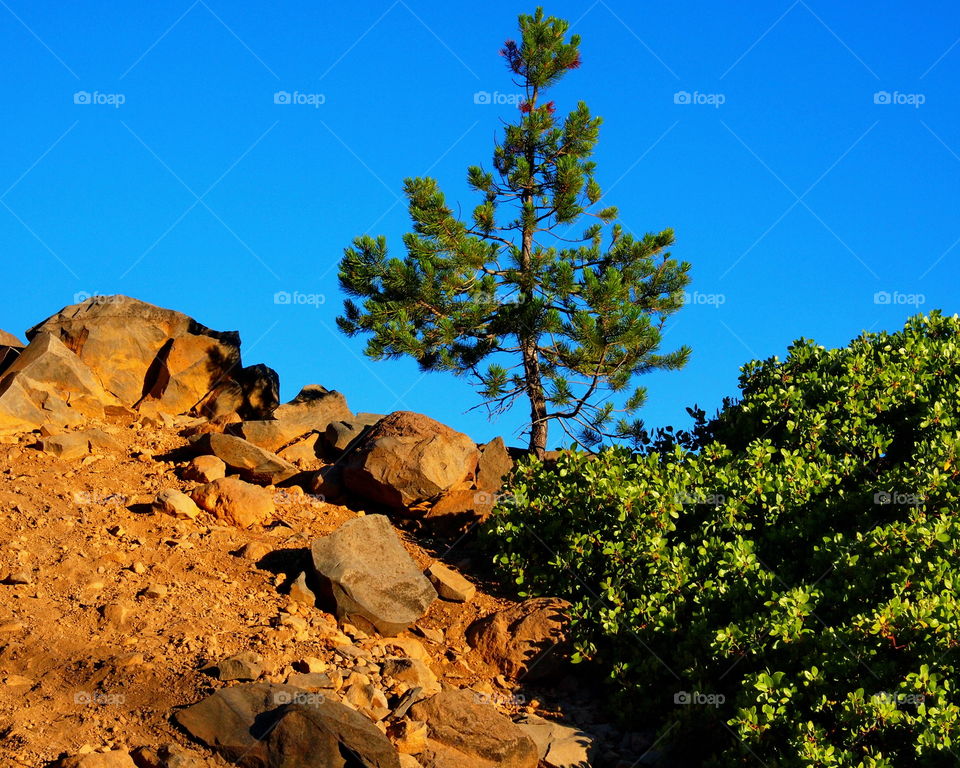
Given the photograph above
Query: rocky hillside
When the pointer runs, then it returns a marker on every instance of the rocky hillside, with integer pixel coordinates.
(194, 574)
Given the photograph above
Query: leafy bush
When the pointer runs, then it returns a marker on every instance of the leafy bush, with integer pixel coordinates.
(783, 585)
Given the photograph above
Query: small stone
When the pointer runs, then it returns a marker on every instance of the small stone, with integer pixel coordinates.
(176, 503)
(19, 577)
(205, 469)
(367, 699)
(155, 591)
(255, 550)
(408, 736)
(413, 672)
(311, 664)
(242, 666)
(300, 592)
(449, 584)
(116, 613)
(138, 568)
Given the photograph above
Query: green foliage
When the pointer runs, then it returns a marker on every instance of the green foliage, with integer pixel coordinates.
(798, 561)
(512, 296)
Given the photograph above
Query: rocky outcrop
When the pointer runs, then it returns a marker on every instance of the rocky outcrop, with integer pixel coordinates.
(310, 411)
(462, 730)
(373, 581)
(527, 640)
(260, 725)
(408, 459)
(144, 354)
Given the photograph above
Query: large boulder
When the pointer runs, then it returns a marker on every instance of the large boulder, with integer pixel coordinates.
(251, 461)
(494, 465)
(408, 459)
(146, 354)
(463, 730)
(310, 411)
(526, 640)
(235, 502)
(373, 580)
(262, 725)
(48, 384)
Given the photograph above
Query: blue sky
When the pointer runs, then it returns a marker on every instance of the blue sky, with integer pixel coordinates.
(806, 153)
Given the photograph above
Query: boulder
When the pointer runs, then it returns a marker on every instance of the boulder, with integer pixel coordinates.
(246, 665)
(310, 411)
(526, 640)
(462, 730)
(236, 502)
(170, 755)
(47, 384)
(408, 459)
(260, 386)
(413, 672)
(374, 582)
(494, 465)
(144, 353)
(75, 445)
(251, 461)
(261, 725)
(10, 348)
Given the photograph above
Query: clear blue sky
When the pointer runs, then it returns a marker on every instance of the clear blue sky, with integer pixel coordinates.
(796, 199)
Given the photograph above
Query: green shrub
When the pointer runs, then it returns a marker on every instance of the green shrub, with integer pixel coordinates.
(793, 570)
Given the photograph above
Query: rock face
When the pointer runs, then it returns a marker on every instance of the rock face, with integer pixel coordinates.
(235, 502)
(408, 459)
(261, 725)
(495, 464)
(251, 461)
(463, 731)
(526, 640)
(142, 352)
(310, 411)
(9, 340)
(374, 582)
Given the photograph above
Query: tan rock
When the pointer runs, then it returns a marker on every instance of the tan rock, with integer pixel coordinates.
(413, 672)
(205, 469)
(235, 502)
(449, 584)
(408, 736)
(112, 759)
(170, 501)
(251, 461)
(408, 459)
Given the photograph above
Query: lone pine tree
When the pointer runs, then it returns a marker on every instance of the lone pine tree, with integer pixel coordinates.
(511, 298)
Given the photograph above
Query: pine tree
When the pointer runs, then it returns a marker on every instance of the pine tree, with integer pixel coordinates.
(511, 298)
